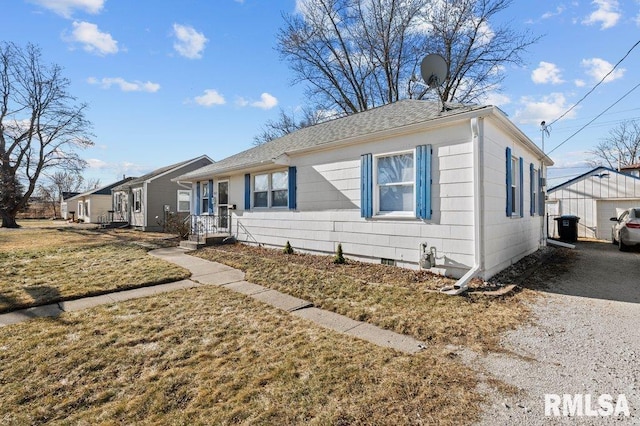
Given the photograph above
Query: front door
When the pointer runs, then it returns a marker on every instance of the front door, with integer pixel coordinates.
(223, 204)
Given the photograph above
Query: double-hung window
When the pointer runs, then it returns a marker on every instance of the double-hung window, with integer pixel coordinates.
(271, 189)
(395, 184)
(515, 184)
(204, 200)
(184, 200)
(137, 200)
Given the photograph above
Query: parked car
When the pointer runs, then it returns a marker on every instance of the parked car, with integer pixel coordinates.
(626, 231)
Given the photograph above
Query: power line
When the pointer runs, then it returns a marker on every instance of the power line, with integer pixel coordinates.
(596, 117)
(598, 84)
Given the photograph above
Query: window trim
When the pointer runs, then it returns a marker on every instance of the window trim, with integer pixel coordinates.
(411, 214)
(269, 190)
(137, 204)
(204, 198)
(188, 192)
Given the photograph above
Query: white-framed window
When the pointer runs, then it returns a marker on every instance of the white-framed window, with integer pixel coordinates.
(184, 200)
(137, 200)
(204, 200)
(80, 208)
(271, 189)
(515, 186)
(86, 209)
(394, 184)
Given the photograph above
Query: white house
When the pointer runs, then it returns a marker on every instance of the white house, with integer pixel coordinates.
(91, 206)
(394, 184)
(594, 197)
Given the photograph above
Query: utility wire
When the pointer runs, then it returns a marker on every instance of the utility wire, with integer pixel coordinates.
(598, 84)
(595, 118)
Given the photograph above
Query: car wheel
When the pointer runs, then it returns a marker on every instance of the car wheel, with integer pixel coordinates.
(622, 246)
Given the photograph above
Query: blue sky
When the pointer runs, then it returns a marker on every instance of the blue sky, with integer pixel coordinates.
(172, 80)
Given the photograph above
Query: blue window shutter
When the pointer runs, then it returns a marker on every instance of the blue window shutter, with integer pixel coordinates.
(509, 184)
(292, 188)
(521, 187)
(366, 185)
(532, 190)
(247, 191)
(541, 200)
(210, 203)
(198, 198)
(423, 182)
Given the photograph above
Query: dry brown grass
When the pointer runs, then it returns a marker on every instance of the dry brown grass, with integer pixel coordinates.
(45, 265)
(393, 298)
(209, 356)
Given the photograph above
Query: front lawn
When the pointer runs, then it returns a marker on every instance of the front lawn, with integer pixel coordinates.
(210, 356)
(45, 265)
(390, 297)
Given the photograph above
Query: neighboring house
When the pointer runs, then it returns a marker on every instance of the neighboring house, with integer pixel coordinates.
(64, 207)
(92, 206)
(593, 197)
(394, 184)
(144, 202)
(631, 169)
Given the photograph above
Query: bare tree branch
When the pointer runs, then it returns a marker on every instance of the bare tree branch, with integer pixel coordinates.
(41, 125)
(621, 148)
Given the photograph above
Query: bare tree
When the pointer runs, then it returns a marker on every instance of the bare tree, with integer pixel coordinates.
(40, 122)
(56, 184)
(621, 148)
(357, 54)
(288, 123)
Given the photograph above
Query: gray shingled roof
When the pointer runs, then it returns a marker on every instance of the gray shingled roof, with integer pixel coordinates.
(104, 190)
(153, 174)
(387, 117)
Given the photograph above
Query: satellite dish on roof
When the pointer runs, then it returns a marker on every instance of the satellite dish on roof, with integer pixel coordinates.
(434, 70)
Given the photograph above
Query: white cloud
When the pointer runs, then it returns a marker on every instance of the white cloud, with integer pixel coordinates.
(546, 108)
(597, 68)
(125, 86)
(92, 39)
(579, 83)
(558, 11)
(242, 102)
(266, 101)
(66, 8)
(94, 163)
(190, 43)
(607, 14)
(209, 98)
(495, 98)
(547, 73)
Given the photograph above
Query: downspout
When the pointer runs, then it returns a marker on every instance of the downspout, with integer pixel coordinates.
(462, 285)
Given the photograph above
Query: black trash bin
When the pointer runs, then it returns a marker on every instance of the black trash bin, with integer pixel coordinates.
(568, 227)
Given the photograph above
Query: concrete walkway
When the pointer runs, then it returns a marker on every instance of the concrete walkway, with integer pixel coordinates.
(204, 272)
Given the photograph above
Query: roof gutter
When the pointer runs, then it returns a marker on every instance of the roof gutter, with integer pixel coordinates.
(462, 285)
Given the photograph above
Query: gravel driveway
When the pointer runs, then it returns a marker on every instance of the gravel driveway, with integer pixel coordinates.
(585, 339)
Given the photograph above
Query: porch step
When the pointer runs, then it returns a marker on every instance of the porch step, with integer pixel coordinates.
(191, 245)
(114, 225)
(194, 242)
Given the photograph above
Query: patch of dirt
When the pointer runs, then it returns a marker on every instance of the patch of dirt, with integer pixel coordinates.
(367, 272)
